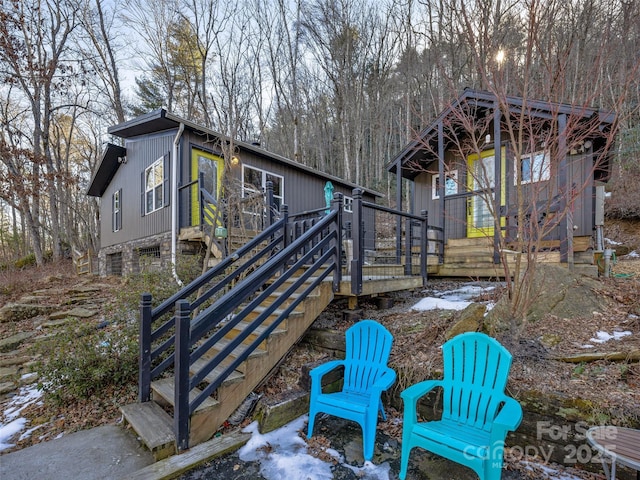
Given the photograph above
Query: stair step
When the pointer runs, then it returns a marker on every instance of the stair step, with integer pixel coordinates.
(297, 312)
(153, 425)
(165, 389)
(222, 344)
(234, 377)
(259, 330)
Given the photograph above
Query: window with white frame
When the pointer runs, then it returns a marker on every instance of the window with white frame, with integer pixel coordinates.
(116, 205)
(347, 203)
(535, 167)
(450, 184)
(255, 181)
(153, 186)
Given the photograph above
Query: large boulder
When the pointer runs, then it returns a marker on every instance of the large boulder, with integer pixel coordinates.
(557, 291)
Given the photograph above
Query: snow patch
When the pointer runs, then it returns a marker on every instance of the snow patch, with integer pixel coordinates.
(12, 423)
(602, 336)
(432, 303)
(282, 453)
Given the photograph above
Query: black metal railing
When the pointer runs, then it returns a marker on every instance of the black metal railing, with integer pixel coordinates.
(206, 310)
(290, 257)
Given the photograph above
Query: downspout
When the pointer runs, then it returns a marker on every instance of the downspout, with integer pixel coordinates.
(174, 203)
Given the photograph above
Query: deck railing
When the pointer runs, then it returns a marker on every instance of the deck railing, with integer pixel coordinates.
(207, 309)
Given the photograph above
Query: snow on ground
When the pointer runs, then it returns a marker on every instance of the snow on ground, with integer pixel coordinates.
(602, 337)
(12, 423)
(283, 454)
(457, 299)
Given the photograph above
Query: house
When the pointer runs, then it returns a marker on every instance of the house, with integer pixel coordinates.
(499, 176)
(165, 157)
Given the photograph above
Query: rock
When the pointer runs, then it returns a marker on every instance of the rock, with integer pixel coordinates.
(9, 373)
(13, 360)
(557, 291)
(74, 312)
(14, 312)
(29, 299)
(469, 320)
(550, 340)
(56, 323)
(7, 387)
(14, 341)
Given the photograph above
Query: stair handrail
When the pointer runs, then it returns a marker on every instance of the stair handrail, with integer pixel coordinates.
(314, 249)
(274, 235)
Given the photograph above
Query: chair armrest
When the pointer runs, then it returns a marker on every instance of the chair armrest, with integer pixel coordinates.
(507, 420)
(384, 381)
(412, 394)
(318, 372)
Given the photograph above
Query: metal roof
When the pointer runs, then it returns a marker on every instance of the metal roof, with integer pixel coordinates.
(484, 100)
(160, 120)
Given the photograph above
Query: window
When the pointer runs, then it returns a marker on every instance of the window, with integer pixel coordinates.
(154, 187)
(347, 202)
(450, 184)
(116, 220)
(255, 181)
(114, 264)
(534, 167)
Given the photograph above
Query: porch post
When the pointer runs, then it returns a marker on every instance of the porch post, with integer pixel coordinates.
(442, 182)
(144, 360)
(424, 246)
(497, 140)
(337, 226)
(181, 401)
(269, 202)
(563, 187)
(357, 230)
(399, 208)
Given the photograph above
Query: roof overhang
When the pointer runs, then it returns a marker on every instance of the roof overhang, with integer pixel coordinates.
(162, 120)
(112, 158)
(422, 149)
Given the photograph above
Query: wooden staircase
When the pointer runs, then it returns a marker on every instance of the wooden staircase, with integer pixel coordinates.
(153, 422)
(473, 257)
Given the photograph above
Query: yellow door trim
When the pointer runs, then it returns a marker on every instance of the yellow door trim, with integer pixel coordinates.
(480, 221)
(218, 163)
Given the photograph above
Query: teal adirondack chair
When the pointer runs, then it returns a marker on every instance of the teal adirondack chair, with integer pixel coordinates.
(366, 376)
(477, 415)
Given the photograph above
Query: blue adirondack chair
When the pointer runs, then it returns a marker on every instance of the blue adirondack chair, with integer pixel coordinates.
(366, 376)
(477, 415)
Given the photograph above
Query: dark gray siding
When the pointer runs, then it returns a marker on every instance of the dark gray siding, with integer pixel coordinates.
(141, 152)
(580, 175)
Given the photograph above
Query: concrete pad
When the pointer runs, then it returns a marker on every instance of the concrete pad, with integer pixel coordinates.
(107, 452)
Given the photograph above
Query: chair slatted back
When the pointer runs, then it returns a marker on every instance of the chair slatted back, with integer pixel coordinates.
(476, 368)
(368, 346)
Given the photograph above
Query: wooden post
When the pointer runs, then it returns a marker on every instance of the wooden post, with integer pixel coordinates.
(424, 246)
(442, 208)
(497, 231)
(337, 227)
(563, 186)
(357, 231)
(181, 412)
(398, 207)
(144, 359)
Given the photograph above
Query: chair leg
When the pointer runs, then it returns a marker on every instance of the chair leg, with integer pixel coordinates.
(384, 415)
(312, 419)
(404, 461)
